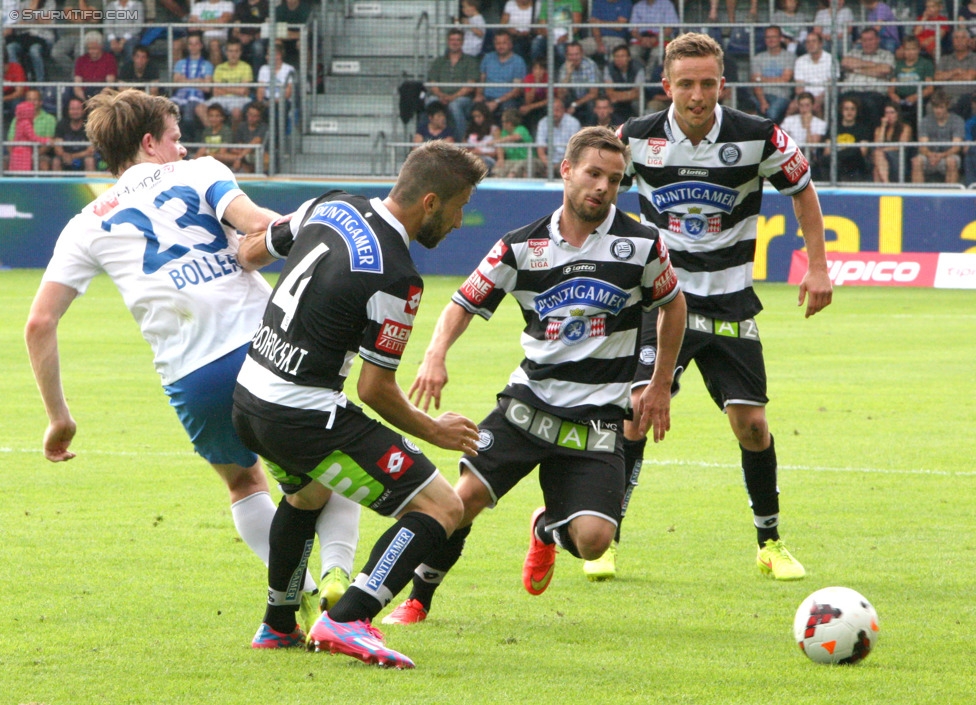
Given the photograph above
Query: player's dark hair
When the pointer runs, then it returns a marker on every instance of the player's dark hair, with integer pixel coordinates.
(118, 120)
(598, 138)
(437, 167)
(693, 45)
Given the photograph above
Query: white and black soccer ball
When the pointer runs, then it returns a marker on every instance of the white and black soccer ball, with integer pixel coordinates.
(836, 625)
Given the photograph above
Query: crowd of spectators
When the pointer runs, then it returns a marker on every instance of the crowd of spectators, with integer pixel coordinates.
(220, 71)
(607, 56)
(890, 76)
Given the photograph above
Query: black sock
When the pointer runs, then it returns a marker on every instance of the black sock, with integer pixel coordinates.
(759, 472)
(430, 574)
(292, 537)
(546, 537)
(633, 459)
(391, 564)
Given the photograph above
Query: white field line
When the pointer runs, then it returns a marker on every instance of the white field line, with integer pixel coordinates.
(647, 461)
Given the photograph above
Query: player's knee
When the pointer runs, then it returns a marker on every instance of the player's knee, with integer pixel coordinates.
(751, 428)
(242, 482)
(592, 538)
(474, 496)
(440, 501)
(454, 513)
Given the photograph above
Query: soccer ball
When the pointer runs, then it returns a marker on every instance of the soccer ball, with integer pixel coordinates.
(836, 625)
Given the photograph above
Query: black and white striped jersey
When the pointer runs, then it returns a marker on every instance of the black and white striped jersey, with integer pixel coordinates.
(706, 199)
(348, 287)
(582, 310)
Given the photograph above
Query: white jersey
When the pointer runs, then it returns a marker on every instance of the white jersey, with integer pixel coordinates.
(157, 234)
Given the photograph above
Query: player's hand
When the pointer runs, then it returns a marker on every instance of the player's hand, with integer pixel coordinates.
(57, 438)
(455, 432)
(817, 290)
(427, 386)
(654, 411)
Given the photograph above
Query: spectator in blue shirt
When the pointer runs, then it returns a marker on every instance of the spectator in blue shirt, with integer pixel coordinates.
(879, 11)
(603, 40)
(505, 68)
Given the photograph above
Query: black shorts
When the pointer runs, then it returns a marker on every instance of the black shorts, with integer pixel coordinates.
(581, 466)
(359, 458)
(729, 357)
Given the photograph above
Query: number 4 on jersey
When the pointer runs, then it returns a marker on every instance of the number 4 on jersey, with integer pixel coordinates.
(291, 288)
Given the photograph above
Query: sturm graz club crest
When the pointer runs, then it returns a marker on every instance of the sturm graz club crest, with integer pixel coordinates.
(622, 249)
(730, 154)
(647, 355)
(486, 439)
(409, 445)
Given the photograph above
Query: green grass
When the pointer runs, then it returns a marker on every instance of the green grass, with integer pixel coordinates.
(123, 580)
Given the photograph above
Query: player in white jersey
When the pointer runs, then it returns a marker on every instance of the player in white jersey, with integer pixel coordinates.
(699, 169)
(158, 234)
(582, 277)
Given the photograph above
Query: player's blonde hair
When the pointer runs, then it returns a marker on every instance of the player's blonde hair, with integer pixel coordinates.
(437, 167)
(118, 120)
(596, 137)
(693, 45)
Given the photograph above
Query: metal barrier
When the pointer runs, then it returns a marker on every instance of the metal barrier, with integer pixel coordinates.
(284, 115)
(38, 149)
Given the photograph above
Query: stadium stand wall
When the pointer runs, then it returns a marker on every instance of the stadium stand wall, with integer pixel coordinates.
(33, 212)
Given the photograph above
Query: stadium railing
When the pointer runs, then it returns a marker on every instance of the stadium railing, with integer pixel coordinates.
(285, 116)
(46, 151)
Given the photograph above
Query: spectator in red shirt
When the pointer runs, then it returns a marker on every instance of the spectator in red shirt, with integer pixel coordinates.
(536, 98)
(22, 156)
(12, 73)
(94, 66)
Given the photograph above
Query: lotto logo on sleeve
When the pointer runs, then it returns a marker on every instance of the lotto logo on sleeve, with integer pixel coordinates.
(393, 337)
(796, 167)
(496, 254)
(395, 462)
(662, 251)
(476, 288)
(780, 140)
(413, 300)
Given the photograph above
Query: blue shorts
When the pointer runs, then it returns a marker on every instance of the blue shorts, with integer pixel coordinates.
(203, 400)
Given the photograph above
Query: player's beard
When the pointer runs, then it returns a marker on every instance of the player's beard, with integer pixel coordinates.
(432, 231)
(588, 213)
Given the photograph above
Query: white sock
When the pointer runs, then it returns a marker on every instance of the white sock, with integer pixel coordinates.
(252, 517)
(338, 531)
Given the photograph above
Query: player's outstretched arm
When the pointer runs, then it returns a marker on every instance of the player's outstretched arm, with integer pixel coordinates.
(41, 333)
(379, 390)
(248, 217)
(654, 406)
(815, 287)
(432, 375)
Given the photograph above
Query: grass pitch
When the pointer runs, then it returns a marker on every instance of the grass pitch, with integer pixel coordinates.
(123, 580)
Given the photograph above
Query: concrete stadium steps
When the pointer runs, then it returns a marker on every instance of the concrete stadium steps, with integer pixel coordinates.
(335, 154)
(372, 51)
(372, 66)
(393, 8)
(356, 104)
(356, 86)
(332, 125)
